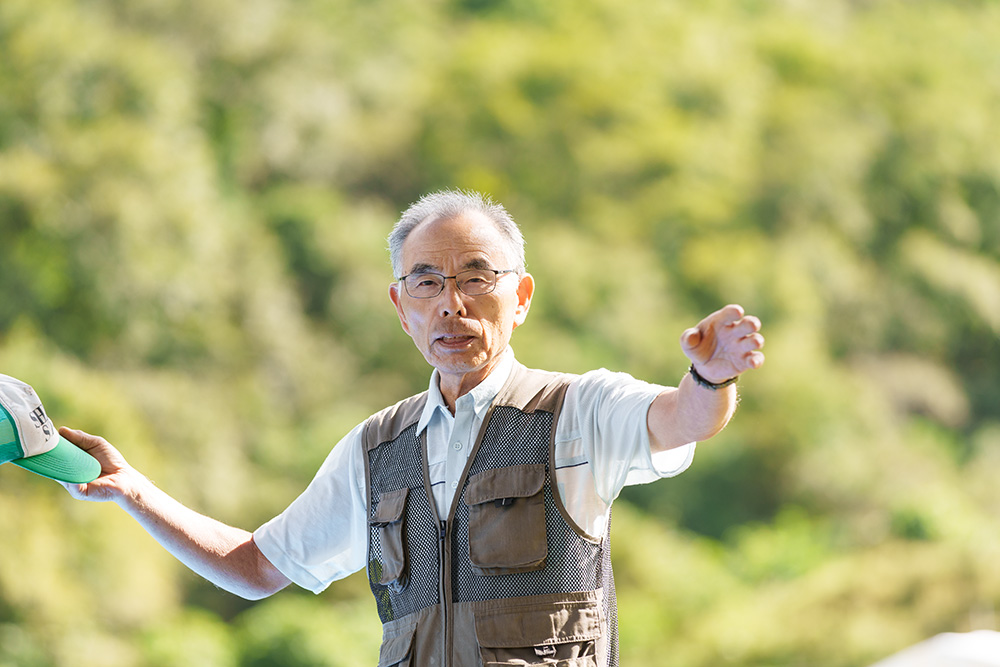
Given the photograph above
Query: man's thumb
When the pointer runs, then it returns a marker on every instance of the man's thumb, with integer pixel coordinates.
(690, 339)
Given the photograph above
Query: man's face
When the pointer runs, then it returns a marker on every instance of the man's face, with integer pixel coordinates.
(461, 336)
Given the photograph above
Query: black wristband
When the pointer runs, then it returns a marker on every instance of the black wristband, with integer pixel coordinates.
(709, 385)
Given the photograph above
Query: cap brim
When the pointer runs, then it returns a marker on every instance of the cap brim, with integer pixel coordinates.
(65, 463)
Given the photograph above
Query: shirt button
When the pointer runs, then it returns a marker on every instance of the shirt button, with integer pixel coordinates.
(457, 446)
(454, 485)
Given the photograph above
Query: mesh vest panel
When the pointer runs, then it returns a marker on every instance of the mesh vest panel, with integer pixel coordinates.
(395, 465)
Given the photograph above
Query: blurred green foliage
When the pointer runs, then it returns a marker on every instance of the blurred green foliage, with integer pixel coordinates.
(194, 199)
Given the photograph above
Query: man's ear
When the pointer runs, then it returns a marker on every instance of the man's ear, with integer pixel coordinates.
(525, 290)
(394, 296)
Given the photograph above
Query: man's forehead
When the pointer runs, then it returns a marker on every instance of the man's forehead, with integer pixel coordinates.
(467, 241)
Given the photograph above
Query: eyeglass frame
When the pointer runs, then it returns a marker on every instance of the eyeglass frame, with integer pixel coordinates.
(444, 279)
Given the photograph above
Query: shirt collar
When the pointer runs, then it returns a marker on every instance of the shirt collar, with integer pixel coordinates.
(482, 395)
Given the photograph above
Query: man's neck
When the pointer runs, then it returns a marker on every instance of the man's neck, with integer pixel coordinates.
(454, 386)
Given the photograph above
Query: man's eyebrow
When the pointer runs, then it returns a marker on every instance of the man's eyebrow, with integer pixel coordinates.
(422, 267)
(478, 263)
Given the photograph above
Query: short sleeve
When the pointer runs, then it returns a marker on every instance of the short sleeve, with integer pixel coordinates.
(607, 412)
(322, 536)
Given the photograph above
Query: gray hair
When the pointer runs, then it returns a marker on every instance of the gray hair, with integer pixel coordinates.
(446, 204)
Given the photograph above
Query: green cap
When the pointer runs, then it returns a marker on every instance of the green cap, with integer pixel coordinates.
(29, 439)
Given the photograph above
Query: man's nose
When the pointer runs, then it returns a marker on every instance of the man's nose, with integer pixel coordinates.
(451, 299)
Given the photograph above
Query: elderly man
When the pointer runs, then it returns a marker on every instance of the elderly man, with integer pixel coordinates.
(481, 506)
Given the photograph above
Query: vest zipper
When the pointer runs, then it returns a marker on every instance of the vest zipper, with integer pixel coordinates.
(445, 589)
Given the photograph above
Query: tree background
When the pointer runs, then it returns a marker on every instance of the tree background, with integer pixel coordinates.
(194, 199)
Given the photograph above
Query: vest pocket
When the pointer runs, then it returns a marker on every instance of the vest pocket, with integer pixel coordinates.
(388, 518)
(396, 649)
(507, 520)
(562, 634)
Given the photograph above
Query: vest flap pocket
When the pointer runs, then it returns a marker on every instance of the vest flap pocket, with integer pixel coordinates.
(390, 508)
(502, 483)
(507, 520)
(388, 566)
(395, 650)
(548, 625)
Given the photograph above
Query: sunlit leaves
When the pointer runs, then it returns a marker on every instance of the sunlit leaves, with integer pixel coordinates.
(193, 204)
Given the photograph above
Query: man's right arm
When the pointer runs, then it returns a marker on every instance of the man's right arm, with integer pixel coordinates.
(222, 554)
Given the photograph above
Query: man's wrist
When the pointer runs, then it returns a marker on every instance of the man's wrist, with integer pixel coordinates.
(708, 384)
(135, 492)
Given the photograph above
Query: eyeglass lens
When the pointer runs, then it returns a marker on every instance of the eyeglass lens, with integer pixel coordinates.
(474, 282)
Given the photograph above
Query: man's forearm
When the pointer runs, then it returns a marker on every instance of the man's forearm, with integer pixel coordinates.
(689, 413)
(222, 554)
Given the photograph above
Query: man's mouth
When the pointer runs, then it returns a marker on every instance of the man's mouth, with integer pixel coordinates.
(454, 339)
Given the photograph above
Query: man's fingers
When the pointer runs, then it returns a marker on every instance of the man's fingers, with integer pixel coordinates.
(753, 342)
(750, 346)
(96, 446)
(84, 441)
(114, 468)
(78, 491)
(742, 328)
(730, 313)
(728, 338)
(700, 342)
(750, 324)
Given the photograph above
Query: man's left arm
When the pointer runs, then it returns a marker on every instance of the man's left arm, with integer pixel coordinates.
(722, 347)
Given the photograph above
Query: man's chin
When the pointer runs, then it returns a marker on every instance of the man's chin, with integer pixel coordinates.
(458, 362)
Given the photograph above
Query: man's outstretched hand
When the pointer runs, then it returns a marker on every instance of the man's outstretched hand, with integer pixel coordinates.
(725, 344)
(114, 468)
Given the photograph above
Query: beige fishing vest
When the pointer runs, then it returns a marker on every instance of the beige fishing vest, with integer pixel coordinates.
(509, 578)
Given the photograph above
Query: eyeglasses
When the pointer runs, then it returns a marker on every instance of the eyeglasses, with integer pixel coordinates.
(474, 282)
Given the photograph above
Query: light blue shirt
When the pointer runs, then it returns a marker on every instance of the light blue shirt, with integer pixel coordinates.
(601, 446)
